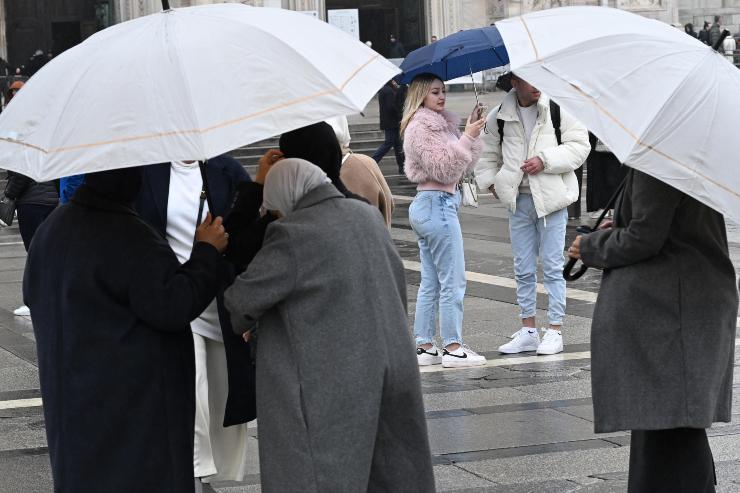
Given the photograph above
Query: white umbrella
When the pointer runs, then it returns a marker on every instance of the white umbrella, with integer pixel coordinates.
(188, 83)
(663, 102)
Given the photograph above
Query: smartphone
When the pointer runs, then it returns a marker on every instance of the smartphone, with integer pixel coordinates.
(477, 113)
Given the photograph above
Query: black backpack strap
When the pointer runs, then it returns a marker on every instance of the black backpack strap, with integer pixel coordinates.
(500, 124)
(555, 119)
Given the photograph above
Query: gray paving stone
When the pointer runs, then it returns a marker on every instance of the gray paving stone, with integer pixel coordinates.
(560, 465)
(25, 432)
(572, 389)
(474, 398)
(19, 377)
(503, 430)
(453, 478)
(26, 474)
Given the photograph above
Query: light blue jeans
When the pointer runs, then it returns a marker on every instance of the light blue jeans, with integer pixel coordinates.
(544, 237)
(433, 217)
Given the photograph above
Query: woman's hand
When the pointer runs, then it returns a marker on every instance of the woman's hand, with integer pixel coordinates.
(212, 231)
(575, 249)
(247, 336)
(608, 224)
(265, 163)
(473, 129)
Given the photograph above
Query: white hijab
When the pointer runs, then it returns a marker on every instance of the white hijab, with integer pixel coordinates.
(288, 181)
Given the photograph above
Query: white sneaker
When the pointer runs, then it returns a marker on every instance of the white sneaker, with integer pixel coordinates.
(552, 342)
(426, 357)
(526, 339)
(462, 357)
(22, 311)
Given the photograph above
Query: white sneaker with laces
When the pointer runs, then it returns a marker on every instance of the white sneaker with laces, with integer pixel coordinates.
(22, 311)
(552, 342)
(462, 357)
(526, 339)
(426, 357)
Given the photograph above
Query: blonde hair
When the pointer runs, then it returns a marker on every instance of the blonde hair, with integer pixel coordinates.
(418, 91)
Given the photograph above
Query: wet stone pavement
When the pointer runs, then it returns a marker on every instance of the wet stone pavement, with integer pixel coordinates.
(521, 424)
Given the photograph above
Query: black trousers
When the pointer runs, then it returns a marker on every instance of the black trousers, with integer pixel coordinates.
(392, 139)
(671, 461)
(30, 217)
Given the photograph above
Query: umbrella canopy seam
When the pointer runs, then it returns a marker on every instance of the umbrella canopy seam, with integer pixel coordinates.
(203, 130)
(647, 146)
(629, 132)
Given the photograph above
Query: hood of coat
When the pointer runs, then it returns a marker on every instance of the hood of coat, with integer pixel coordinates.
(436, 121)
(507, 111)
(319, 194)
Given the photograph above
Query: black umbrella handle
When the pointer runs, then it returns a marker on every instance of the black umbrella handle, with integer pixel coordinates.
(568, 274)
(567, 270)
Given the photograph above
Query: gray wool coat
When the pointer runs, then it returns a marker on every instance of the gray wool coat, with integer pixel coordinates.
(339, 400)
(663, 332)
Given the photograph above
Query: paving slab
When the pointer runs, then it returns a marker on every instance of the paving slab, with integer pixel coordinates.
(560, 465)
(505, 430)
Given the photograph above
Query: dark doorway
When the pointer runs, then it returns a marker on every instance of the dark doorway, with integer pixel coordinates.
(381, 18)
(65, 35)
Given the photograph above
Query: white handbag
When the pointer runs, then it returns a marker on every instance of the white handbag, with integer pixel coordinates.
(469, 190)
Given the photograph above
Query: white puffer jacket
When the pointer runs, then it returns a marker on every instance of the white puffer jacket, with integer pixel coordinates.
(552, 189)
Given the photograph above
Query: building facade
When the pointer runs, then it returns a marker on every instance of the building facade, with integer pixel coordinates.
(28, 25)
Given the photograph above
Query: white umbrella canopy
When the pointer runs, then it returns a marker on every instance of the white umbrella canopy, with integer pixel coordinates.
(185, 84)
(662, 101)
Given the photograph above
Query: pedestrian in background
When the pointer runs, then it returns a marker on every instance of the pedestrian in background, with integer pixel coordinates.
(715, 33)
(605, 174)
(689, 29)
(111, 308)
(34, 201)
(331, 417)
(537, 192)
(397, 49)
(361, 173)
(173, 201)
(391, 99)
(729, 46)
(437, 156)
(663, 335)
(704, 34)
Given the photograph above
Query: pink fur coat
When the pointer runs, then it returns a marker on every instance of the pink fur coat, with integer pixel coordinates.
(436, 153)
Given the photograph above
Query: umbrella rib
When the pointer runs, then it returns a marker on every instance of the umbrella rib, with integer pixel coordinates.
(207, 129)
(651, 147)
(531, 39)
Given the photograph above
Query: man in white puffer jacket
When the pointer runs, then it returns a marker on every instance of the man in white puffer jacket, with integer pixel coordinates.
(534, 176)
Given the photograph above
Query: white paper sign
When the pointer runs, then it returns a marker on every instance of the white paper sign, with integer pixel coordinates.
(348, 20)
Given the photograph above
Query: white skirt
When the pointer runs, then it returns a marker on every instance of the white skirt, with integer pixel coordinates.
(220, 453)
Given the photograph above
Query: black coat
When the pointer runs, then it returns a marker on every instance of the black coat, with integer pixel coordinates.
(390, 102)
(111, 309)
(663, 332)
(26, 191)
(223, 174)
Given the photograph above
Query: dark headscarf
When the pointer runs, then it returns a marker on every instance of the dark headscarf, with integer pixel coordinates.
(118, 185)
(316, 144)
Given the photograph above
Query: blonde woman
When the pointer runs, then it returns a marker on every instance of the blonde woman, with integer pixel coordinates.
(437, 156)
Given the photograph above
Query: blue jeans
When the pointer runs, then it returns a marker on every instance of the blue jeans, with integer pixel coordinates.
(392, 139)
(544, 237)
(433, 217)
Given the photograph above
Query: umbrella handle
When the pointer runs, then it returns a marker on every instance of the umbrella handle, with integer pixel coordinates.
(568, 276)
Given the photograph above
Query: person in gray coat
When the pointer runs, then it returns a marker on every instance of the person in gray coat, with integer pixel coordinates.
(338, 391)
(663, 333)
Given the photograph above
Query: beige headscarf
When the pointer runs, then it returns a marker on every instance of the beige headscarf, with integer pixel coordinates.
(288, 181)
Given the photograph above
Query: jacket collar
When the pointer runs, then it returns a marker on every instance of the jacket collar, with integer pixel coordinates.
(508, 112)
(86, 197)
(318, 195)
(435, 120)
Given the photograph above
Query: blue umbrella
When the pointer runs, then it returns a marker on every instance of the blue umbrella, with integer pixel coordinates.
(456, 55)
